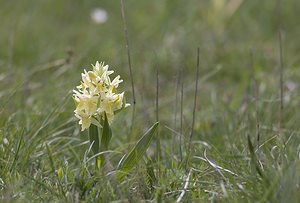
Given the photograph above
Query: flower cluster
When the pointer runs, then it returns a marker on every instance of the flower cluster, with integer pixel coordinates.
(97, 95)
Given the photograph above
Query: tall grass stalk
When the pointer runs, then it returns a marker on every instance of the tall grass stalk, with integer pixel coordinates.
(256, 99)
(194, 109)
(175, 110)
(129, 66)
(181, 119)
(281, 65)
(158, 147)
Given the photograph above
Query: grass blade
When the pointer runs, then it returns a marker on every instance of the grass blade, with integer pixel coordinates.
(137, 151)
(254, 158)
(194, 109)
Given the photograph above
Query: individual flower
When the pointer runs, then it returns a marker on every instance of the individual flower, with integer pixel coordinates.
(97, 95)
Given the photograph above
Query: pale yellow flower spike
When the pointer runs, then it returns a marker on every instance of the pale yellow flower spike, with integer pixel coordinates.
(97, 94)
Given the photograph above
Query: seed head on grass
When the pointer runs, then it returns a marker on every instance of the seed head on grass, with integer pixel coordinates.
(97, 95)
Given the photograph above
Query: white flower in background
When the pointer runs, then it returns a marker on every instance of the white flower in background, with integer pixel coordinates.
(99, 16)
(97, 94)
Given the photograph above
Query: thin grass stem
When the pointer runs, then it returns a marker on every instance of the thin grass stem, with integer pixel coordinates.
(194, 108)
(186, 184)
(281, 78)
(175, 110)
(281, 65)
(129, 65)
(158, 149)
(181, 119)
(256, 98)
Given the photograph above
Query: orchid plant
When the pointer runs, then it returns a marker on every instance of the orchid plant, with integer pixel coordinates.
(97, 101)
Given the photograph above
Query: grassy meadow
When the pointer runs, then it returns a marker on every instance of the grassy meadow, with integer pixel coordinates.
(235, 139)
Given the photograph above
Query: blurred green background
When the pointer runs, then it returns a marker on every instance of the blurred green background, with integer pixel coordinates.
(163, 35)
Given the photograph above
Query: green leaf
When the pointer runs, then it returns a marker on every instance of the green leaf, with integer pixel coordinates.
(59, 174)
(106, 134)
(254, 158)
(94, 138)
(137, 152)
